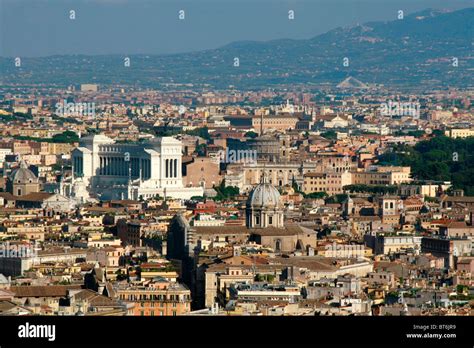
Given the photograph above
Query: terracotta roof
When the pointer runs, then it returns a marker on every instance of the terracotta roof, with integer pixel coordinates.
(6, 306)
(310, 262)
(95, 299)
(35, 197)
(289, 230)
(125, 201)
(467, 199)
(236, 260)
(7, 196)
(457, 224)
(104, 210)
(221, 230)
(43, 291)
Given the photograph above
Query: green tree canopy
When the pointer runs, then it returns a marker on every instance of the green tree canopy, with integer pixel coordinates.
(440, 158)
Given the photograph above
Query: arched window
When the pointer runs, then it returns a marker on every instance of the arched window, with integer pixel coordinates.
(278, 245)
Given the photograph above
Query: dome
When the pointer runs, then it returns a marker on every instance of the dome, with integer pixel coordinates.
(264, 195)
(23, 175)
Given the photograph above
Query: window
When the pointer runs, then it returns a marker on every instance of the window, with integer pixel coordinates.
(270, 220)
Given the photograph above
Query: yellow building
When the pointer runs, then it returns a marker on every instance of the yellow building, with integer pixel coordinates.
(331, 183)
(459, 133)
(156, 299)
(280, 122)
(382, 176)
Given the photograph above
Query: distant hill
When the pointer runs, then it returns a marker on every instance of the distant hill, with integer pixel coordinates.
(415, 51)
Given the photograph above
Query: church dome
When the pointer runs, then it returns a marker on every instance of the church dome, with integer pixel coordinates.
(264, 195)
(23, 175)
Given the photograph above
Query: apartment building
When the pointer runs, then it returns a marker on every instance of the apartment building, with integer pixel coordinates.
(382, 176)
(155, 298)
(331, 183)
(459, 133)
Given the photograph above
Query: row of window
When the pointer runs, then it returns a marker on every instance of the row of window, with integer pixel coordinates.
(160, 313)
(158, 304)
(153, 297)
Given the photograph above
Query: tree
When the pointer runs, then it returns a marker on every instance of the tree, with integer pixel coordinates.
(200, 132)
(329, 135)
(439, 158)
(315, 195)
(295, 186)
(66, 137)
(225, 192)
(201, 149)
(120, 276)
(251, 134)
(339, 198)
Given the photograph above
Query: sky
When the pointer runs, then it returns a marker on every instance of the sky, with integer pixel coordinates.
(32, 28)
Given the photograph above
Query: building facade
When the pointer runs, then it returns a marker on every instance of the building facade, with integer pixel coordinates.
(133, 171)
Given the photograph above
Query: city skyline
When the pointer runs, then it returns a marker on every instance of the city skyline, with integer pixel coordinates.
(236, 160)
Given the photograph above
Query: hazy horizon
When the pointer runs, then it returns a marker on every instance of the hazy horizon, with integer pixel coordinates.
(38, 28)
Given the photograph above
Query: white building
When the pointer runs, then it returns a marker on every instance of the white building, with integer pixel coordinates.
(132, 171)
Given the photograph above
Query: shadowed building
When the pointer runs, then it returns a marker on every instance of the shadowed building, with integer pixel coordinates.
(22, 181)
